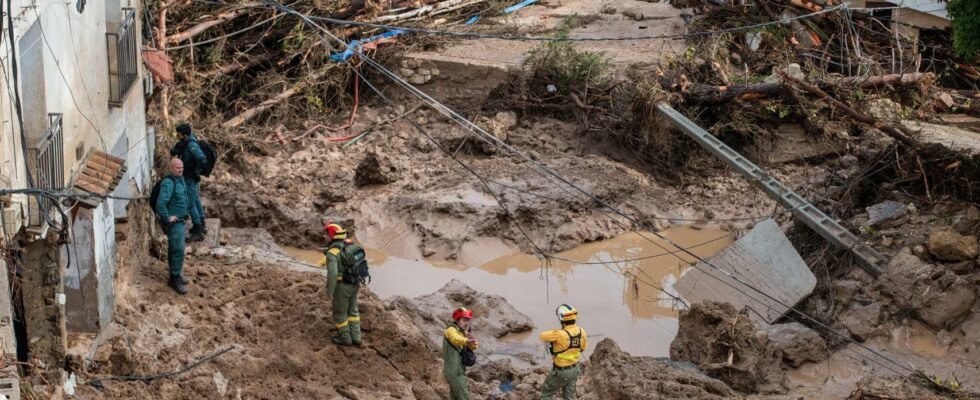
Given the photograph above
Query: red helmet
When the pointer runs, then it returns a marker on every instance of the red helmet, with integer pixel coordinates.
(462, 313)
(334, 230)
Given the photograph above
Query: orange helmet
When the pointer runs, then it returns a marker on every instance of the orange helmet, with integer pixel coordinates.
(334, 230)
(462, 313)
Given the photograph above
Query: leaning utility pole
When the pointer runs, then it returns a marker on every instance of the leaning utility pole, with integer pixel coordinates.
(870, 259)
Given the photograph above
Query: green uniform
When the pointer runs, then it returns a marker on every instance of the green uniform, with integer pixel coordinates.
(346, 317)
(173, 201)
(190, 153)
(563, 380)
(452, 365)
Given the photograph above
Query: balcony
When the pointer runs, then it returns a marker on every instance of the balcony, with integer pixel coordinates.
(122, 51)
(47, 162)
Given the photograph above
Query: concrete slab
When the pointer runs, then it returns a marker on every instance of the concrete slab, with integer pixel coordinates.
(765, 259)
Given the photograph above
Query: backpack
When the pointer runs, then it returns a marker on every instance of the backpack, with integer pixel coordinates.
(210, 154)
(467, 357)
(155, 195)
(354, 265)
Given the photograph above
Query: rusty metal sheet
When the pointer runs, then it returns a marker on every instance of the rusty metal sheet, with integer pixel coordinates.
(765, 259)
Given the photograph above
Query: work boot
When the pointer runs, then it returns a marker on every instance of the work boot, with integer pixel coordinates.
(182, 280)
(204, 226)
(177, 285)
(196, 234)
(338, 341)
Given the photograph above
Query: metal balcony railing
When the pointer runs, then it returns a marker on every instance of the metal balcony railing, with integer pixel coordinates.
(122, 51)
(48, 169)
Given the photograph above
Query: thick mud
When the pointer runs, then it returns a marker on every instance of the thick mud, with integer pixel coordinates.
(614, 283)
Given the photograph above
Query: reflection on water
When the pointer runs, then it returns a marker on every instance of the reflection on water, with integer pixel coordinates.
(614, 283)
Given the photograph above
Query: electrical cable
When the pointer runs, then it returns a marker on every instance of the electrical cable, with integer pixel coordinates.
(97, 382)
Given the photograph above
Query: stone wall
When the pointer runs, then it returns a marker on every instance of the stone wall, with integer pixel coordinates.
(44, 302)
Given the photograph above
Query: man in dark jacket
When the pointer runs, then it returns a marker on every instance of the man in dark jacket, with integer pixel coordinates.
(189, 151)
(172, 208)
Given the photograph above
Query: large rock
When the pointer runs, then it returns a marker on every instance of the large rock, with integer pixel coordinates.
(377, 169)
(724, 343)
(494, 316)
(798, 343)
(615, 374)
(948, 245)
(937, 296)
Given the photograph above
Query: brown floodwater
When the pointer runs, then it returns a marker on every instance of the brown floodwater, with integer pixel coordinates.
(612, 282)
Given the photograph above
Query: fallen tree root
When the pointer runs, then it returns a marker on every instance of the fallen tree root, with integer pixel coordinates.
(888, 130)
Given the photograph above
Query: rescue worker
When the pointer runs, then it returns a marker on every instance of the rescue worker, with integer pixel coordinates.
(346, 317)
(189, 151)
(566, 346)
(456, 337)
(172, 208)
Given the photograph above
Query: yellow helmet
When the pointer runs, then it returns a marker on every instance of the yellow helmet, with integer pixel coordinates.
(566, 312)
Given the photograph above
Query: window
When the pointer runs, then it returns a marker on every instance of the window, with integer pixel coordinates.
(122, 51)
(48, 168)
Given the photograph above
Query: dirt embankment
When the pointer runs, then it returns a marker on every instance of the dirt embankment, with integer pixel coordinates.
(279, 325)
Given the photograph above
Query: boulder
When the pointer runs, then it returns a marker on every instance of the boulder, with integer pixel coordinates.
(948, 245)
(724, 343)
(377, 169)
(615, 374)
(937, 295)
(798, 343)
(494, 316)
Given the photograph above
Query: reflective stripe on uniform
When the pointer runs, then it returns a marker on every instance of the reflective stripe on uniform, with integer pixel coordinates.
(342, 325)
(354, 319)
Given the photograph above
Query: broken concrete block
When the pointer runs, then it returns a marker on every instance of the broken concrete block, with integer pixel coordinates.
(798, 343)
(937, 296)
(862, 321)
(887, 212)
(946, 244)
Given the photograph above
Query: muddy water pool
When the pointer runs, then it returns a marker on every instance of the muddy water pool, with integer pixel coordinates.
(612, 282)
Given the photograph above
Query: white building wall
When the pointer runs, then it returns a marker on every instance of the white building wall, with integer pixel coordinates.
(75, 74)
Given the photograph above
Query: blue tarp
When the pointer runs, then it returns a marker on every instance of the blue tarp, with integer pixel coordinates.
(518, 6)
(354, 43)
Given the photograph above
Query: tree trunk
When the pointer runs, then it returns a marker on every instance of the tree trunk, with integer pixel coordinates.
(723, 94)
(265, 105)
(218, 20)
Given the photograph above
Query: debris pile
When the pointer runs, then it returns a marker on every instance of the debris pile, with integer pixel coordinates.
(724, 343)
